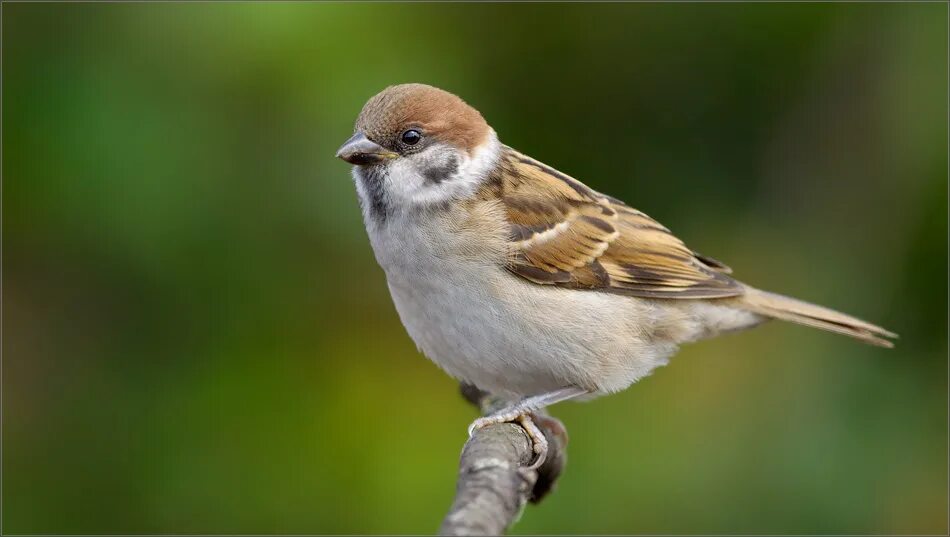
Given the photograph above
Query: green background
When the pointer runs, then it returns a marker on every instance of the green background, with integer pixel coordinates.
(197, 337)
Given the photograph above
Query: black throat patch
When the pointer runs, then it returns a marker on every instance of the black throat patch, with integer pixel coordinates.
(372, 177)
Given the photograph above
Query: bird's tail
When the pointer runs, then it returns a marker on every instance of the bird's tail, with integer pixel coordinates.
(797, 311)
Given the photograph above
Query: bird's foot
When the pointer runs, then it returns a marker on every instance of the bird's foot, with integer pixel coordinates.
(539, 442)
(522, 416)
(523, 412)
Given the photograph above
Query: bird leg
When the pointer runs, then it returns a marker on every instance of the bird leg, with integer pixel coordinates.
(521, 411)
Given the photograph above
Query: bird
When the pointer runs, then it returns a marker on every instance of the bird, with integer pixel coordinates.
(525, 282)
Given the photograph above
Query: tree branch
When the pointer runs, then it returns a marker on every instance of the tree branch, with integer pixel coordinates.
(494, 481)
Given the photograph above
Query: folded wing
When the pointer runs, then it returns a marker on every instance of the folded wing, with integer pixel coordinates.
(565, 234)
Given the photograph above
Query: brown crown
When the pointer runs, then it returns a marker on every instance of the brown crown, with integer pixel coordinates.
(436, 112)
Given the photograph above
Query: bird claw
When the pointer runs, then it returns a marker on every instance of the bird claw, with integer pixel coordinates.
(538, 440)
(502, 416)
(539, 443)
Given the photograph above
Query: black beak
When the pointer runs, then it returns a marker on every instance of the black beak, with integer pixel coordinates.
(361, 150)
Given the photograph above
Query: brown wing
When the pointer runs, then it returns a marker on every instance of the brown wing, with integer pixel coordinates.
(565, 234)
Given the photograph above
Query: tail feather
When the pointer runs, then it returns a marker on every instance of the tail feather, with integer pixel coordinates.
(797, 311)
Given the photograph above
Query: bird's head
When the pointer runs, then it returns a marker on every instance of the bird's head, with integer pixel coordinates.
(416, 144)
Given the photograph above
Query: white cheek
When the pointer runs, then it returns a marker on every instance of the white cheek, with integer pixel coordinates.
(404, 182)
(407, 186)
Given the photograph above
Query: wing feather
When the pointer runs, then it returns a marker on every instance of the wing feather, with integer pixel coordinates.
(564, 233)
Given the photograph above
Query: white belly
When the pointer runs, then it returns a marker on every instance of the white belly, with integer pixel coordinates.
(486, 326)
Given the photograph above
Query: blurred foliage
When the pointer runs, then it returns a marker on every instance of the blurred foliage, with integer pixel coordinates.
(197, 337)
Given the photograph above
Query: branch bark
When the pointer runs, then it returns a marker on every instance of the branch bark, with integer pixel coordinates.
(494, 482)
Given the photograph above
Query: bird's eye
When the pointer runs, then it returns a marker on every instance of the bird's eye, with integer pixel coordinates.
(411, 137)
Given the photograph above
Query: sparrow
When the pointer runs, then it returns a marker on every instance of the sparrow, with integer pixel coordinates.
(522, 280)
